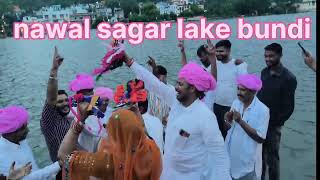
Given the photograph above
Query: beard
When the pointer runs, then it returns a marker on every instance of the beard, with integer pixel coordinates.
(62, 112)
(221, 57)
(272, 63)
(182, 97)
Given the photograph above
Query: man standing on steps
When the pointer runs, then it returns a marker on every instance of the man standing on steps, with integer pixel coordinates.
(277, 93)
(228, 69)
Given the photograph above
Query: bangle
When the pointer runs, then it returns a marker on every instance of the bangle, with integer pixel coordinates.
(77, 127)
(54, 78)
(130, 62)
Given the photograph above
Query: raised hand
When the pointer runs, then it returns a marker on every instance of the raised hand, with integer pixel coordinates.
(181, 45)
(211, 50)
(57, 59)
(151, 61)
(83, 111)
(308, 59)
(17, 174)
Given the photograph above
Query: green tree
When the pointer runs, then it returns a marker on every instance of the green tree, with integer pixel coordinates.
(172, 16)
(129, 6)
(221, 8)
(151, 11)
(97, 22)
(5, 7)
(251, 7)
(196, 11)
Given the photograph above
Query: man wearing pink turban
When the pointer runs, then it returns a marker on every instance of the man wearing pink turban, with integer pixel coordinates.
(194, 147)
(247, 124)
(93, 129)
(14, 148)
(84, 83)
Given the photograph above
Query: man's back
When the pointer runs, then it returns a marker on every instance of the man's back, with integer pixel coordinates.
(154, 128)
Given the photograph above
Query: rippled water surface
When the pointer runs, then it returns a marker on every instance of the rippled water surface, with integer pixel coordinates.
(25, 65)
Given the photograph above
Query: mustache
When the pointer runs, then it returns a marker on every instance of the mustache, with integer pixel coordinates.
(239, 95)
(62, 107)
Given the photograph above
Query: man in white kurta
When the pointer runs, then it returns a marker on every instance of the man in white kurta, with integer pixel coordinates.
(153, 125)
(194, 147)
(14, 146)
(248, 119)
(228, 69)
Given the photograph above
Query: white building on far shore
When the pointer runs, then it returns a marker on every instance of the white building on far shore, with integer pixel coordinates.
(56, 13)
(166, 8)
(306, 5)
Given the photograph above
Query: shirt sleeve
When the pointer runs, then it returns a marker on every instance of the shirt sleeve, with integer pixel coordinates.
(288, 92)
(154, 85)
(49, 172)
(242, 68)
(262, 128)
(219, 159)
(48, 115)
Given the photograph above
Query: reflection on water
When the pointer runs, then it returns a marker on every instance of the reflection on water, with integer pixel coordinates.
(24, 70)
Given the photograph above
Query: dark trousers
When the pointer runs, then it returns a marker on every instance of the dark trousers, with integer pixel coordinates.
(59, 175)
(270, 154)
(220, 111)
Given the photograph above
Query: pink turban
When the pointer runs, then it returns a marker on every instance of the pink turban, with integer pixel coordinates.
(250, 81)
(197, 76)
(12, 118)
(82, 81)
(104, 93)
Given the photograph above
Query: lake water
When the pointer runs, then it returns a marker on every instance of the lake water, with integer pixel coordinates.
(25, 65)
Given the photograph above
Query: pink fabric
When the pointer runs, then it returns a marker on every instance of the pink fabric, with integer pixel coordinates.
(104, 93)
(250, 81)
(197, 76)
(12, 118)
(113, 54)
(82, 81)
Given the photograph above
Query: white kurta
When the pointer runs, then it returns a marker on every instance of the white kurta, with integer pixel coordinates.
(209, 97)
(245, 153)
(226, 91)
(202, 155)
(154, 128)
(93, 131)
(22, 154)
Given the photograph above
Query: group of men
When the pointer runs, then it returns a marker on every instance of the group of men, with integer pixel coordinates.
(218, 122)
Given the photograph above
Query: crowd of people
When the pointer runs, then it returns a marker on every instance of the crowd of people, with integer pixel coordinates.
(218, 122)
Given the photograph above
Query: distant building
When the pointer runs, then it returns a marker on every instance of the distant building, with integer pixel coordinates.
(183, 2)
(31, 19)
(55, 13)
(18, 12)
(166, 8)
(74, 13)
(306, 5)
(118, 13)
